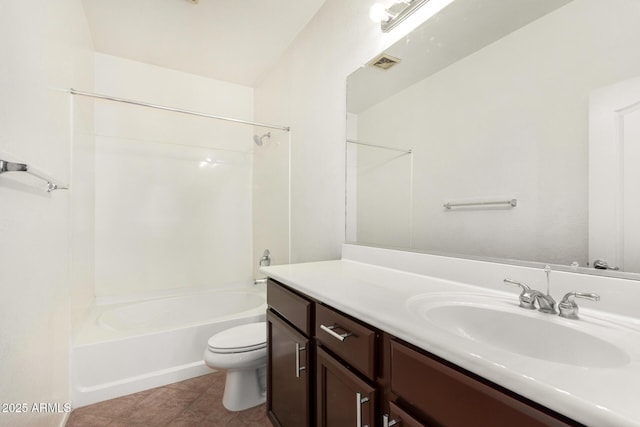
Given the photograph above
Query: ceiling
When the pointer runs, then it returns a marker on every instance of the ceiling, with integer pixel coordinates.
(236, 41)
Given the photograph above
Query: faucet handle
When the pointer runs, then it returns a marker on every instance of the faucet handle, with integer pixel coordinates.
(527, 300)
(265, 261)
(568, 307)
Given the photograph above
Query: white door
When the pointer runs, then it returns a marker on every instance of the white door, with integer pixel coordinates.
(614, 175)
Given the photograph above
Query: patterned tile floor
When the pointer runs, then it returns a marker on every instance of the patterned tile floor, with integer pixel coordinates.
(191, 403)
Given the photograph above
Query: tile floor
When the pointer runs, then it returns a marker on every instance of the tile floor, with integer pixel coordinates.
(191, 403)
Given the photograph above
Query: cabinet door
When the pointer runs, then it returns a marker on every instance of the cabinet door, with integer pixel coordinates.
(343, 399)
(288, 385)
(448, 397)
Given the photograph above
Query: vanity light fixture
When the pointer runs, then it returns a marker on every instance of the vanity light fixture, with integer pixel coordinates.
(391, 16)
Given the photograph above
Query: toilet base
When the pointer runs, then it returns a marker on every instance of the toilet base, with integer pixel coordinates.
(244, 388)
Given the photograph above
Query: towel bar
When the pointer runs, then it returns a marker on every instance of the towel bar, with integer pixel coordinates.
(52, 184)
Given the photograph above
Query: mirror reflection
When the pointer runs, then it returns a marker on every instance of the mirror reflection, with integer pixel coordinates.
(522, 116)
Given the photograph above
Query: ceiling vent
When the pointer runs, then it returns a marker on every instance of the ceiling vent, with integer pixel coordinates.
(384, 61)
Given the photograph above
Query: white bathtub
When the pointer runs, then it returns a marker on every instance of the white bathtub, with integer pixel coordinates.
(125, 348)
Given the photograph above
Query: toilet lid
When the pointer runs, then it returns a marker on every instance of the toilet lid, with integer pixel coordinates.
(239, 339)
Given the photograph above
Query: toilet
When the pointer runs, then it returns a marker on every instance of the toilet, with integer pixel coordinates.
(242, 351)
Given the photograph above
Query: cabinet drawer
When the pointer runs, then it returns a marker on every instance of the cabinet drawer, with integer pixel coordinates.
(293, 307)
(443, 395)
(352, 341)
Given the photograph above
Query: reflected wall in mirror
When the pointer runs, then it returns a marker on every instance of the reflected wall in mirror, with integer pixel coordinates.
(491, 102)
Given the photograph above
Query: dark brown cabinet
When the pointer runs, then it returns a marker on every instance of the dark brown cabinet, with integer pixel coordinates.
(289, 357)
(444, 396)
(328, 369)
(345, 381)
(343, 399)
(288, 381)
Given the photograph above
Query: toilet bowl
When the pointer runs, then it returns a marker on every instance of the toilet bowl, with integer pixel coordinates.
(242, 351)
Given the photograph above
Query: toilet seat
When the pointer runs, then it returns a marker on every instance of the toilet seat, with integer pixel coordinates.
(239, 339)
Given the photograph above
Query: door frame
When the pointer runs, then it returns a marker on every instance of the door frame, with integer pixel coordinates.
(608, 107)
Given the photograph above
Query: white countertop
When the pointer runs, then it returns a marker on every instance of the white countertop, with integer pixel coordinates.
(378, 295)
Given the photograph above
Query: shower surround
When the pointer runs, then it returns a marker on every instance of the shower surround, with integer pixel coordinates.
(163, 206)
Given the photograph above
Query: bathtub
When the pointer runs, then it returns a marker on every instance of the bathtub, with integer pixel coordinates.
(129, 347)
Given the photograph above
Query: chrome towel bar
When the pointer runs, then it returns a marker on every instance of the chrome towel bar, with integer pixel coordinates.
(511, 202)
(52, 184)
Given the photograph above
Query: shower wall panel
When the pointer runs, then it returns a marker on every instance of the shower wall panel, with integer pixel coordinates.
(170, 216)
(173, 191)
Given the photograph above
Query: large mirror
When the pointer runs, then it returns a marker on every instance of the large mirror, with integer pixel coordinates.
(507, 130)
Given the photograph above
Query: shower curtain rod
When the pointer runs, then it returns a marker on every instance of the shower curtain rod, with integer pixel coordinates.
(353, 141)
(176, 110)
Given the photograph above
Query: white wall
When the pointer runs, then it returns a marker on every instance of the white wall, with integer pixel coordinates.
(45, 49)
(384, 203)
(165, 218)
(307, 90)
(82, 215)
(271, 198)
(536, 152)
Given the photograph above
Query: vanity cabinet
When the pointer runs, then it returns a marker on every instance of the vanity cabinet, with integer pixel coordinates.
(443, 395)
(329, 369)
(289, 350)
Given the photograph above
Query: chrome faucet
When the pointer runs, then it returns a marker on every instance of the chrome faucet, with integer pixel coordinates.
(569, 308)
(265, 260)
(546, 302)
(529, 297)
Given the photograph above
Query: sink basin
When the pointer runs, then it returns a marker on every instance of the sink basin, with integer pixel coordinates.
(500, 323)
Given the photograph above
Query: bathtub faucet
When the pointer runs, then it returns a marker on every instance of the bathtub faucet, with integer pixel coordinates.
(265, 261)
